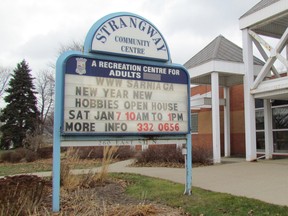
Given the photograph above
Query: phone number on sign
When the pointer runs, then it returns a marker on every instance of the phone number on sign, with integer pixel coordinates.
(161, 127)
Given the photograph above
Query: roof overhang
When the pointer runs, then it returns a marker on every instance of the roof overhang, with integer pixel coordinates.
(269, 21)
(230, 73)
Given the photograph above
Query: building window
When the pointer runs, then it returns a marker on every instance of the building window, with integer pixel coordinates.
(194, 122)
(260, 120)
(260, 136)
(280, 127)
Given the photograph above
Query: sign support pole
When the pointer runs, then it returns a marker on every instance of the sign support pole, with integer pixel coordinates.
(188, 166)
(56, 140)
(56, 175)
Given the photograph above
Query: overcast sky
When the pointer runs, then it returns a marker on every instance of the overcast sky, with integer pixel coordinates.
(34, 30)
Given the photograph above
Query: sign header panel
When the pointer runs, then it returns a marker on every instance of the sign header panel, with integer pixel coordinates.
(112, 97)
(127, 34)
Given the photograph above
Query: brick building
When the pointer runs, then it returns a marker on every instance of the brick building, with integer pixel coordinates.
(217, 58)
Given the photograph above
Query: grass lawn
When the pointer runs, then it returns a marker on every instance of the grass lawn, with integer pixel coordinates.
(201, 202)
(43, 165)
(18, 168)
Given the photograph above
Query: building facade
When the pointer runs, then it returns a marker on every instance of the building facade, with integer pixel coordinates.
(202, 123)
(245, 109)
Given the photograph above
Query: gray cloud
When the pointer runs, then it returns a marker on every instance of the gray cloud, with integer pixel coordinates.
(34, 30)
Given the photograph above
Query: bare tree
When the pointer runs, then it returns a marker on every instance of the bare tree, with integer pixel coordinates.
(5, 74)
(75, 45)
(45, 85)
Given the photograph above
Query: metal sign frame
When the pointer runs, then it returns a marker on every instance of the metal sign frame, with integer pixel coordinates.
(62, 137)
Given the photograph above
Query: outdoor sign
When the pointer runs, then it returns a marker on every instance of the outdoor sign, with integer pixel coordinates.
(129, 35)
(122, 90)
(113, 97)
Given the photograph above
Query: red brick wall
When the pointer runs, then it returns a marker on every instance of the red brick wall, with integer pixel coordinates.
(200, 89)
(237, 130)
(236, 98)
(237, 144)
(237, 120)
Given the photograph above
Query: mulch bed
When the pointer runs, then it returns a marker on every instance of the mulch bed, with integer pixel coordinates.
(107, 199)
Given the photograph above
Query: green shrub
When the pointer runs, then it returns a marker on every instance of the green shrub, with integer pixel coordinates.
(45, 153)
(21, 151)
(30, 156)
(171, 154)
(16, 157)
(95, 152)
(161, 154)
(202, 155)
(6, 156)
(124, 153)
(12, 156)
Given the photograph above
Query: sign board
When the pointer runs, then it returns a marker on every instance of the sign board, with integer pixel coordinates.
(128, 35)
(122, 90)
(113, 97)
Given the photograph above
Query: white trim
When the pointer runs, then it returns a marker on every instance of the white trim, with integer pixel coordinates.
(263, 53)
(220, 66)
(205, 102)
(230, 73)
(274, 55)
(278, 153)
(263, 14)
(270, 88)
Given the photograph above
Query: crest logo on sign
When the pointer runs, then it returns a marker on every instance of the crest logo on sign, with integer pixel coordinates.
(81, 66)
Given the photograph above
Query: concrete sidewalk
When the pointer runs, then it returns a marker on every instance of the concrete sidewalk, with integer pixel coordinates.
(263, 180)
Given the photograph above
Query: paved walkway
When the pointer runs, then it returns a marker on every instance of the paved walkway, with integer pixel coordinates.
(262, 180)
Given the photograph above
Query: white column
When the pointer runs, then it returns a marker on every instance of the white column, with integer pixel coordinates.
(287, 56)
(227, 122)
(249, 101)
(268, 129)
(215, 117)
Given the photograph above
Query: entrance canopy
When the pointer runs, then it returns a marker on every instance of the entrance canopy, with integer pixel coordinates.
(220, 63)
(221, 56)
(269, 18)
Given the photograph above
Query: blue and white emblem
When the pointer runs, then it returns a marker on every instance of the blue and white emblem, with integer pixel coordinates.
(81, 66)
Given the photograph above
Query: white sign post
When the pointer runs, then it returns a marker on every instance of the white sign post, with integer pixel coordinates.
(122, 90)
